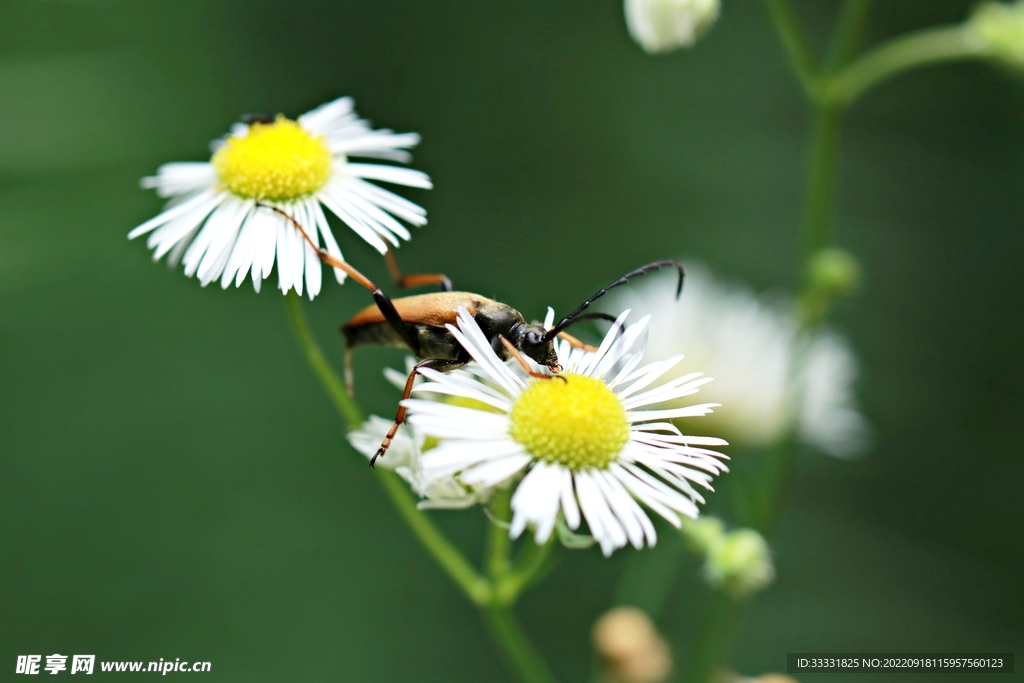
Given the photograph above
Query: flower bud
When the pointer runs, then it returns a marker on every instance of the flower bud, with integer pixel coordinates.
(740, 563)
(834, 272)
(999, 29)
(703, 533)
(630, 648)
(664, 25)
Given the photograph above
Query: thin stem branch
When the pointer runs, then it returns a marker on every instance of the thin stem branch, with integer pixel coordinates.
(850, 28)
(530, 565)
(476, 588)
(821, 179)
(715, 639)
(515, 646)
(797, 46)
(507, 583)
(911, 51)
(499, 545)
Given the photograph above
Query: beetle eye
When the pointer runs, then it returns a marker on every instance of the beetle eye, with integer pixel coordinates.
(532, 338)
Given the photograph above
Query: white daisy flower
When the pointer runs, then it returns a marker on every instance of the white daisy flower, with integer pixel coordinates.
(590, 444)
(218, 223)
(404, 457)
(752, 346)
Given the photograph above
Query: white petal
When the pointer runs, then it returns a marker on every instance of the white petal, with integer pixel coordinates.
(495, 471)
(181, 177)
(536, 501)
(205, 198)
(314, 271)
(329, 242)
(390, 174)
(339, 208)
(569, 506)
(385, 199)
(604, 527)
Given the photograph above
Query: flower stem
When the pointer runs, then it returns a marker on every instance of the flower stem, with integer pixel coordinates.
(797, 46)
(715, 639)
(821, 180)
(508, 582)
(515, 646)
(912, 51)
(499, 545)
(476, 588)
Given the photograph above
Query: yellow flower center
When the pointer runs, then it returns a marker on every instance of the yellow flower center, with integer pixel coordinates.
(276, 161)
(578, 423)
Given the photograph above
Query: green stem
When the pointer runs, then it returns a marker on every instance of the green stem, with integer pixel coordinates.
(715, 639)
(797, 46)
(515, 646)
(911, 51)
(530, 565)
(476, 588)
(499, 545)
(853, 19)
(508, 582)
(821, 180)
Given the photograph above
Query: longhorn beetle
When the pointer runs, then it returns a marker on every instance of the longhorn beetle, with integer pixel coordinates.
(418, 323)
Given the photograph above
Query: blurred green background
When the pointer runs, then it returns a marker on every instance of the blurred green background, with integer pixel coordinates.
(174, 482)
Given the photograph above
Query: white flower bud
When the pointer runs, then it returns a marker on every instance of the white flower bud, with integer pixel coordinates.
(740, 563)
(665, 25)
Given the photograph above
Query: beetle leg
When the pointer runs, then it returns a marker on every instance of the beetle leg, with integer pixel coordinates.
(414, 280)
(323, 254)
(526, 366)
(350, 383)
(439, 364)
(395, 320)
(576, 343)
(387, 309)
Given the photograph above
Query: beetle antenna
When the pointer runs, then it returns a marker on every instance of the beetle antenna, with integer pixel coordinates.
(568, 320)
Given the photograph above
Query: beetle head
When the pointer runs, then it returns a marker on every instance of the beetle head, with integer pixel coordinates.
(530, 340)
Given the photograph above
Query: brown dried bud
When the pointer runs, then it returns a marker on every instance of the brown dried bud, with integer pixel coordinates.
(630, 647)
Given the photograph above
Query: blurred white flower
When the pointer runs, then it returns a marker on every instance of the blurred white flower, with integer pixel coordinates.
(750, 345)
(404, 458)
(664, 25)
(218, 221)
(587, 441)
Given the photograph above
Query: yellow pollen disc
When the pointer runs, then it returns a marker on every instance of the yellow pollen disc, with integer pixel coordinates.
(276, 161)
(578, 423)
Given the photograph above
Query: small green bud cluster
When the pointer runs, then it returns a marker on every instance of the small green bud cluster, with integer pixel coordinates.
(999, 29)
(738, 561)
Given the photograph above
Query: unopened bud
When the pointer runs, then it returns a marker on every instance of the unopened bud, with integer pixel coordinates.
(740, 563)
(999, 30)
(703, 533)
(630, 647)
(834, 272)
(665, 25)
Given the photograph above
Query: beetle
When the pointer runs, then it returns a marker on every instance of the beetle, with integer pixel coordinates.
(419, 323)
